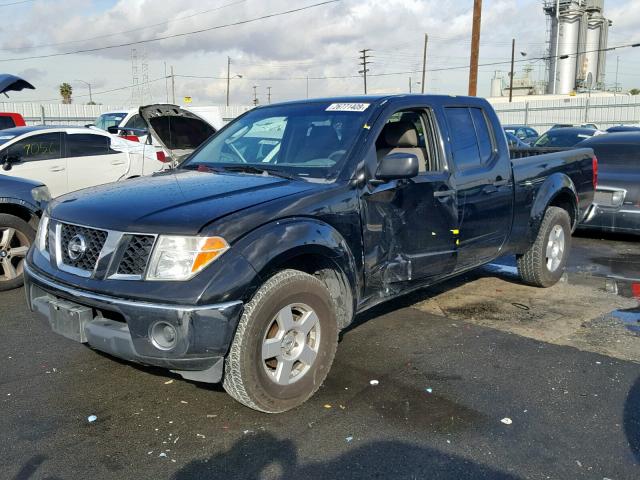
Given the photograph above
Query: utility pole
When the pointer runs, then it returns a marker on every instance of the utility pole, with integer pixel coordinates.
(307, 86)
(364, 62)
(255, 95)
(173, 86)
(410, 85)
(475, 48)
(615, 88)
(228, 77)
(268, 95)
(424, 61)
(166, 84)
(513, 53)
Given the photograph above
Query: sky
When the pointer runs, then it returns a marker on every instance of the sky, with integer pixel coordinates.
(279, 51)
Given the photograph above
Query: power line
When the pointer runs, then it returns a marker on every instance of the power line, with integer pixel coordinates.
(406, 72)
(166, 22)
(176, 35)
(15, 3)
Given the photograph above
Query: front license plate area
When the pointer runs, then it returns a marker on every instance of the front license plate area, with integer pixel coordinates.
(68, 319)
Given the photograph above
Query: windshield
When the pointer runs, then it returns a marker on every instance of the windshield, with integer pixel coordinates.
(561, 138)
(6, 138)
(107, 120)
(307, 140)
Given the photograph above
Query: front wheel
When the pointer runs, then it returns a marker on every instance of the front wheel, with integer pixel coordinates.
(16, 236)
(284, 344)
(543, 264)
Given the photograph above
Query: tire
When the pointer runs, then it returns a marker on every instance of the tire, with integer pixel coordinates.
(16, 236)
(544, 263)
(262, 382)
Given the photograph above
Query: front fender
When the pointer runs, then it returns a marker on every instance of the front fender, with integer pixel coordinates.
(276, 243)
(31, 207)
(556, 184)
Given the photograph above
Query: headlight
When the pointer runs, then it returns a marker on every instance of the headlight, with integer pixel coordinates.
(181, 258)
(41, 234)
(41, 194)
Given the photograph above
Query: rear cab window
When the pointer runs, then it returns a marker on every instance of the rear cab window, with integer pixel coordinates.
(472, 139)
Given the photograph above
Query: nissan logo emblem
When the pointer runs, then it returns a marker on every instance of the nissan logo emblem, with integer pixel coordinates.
(76, 247)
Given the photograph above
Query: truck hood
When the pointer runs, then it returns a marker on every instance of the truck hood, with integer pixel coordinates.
(176, 202)
(179, 131)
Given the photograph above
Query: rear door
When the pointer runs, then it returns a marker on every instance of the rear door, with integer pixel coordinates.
(483, 183)
(91, 160)
(39, 157)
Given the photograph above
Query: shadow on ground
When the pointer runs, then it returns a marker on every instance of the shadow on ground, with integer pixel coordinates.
(263, 456)
(632, 419)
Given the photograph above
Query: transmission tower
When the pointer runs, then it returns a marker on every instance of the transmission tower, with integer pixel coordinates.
(135, 79)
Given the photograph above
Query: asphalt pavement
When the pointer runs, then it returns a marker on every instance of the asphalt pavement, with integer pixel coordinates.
(454, 400)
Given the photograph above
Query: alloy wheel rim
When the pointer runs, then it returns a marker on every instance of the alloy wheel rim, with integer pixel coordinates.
(290, 344)
(14, 246)
(555, 248)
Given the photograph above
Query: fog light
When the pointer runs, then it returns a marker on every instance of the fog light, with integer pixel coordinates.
(164, 335)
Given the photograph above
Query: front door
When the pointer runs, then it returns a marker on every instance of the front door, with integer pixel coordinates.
(409, 226)
(483, 185)
(38, 157)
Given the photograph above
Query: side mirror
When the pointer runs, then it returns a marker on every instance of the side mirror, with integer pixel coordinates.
(396, 166)
(113, 129)
(9, 160)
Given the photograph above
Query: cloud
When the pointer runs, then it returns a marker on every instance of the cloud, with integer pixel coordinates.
(281, 52)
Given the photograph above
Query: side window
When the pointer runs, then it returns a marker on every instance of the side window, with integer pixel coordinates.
(86, 144)
(485, 139)
(464, 144)
(37, 147)
(136, 122)
(6, 122)
(411, 131)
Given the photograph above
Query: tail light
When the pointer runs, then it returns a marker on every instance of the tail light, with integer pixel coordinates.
(594, 162)
(635, 290)
(162, 157)
(131, 138)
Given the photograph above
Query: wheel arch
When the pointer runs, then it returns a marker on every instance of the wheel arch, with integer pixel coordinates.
(308, 245)
(21, 209)
(558, 190)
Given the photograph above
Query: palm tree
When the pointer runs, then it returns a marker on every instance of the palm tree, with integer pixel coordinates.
(66, 90)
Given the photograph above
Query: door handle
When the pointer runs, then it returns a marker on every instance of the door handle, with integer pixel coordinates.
(117, 162)
(57, 169)
(500, 183)
(443, 193)
(490, 189)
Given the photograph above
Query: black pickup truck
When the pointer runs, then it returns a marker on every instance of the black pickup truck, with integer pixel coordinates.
(243, 263)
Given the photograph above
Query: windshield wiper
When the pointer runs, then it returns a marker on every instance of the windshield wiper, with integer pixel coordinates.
(260, 171)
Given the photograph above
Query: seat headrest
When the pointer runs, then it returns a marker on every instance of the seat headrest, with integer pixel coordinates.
(400, 135)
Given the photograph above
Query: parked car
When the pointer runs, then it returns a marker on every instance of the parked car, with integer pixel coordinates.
(515, 142)
(244, 262)
(21, 205)
(70, 158)
(617, 199)
(623, 128)
(564, 137)
(10, 120)
(525, 133)
(591, 126)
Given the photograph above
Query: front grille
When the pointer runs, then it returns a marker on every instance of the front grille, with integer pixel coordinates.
(136, 254)
(93, 241)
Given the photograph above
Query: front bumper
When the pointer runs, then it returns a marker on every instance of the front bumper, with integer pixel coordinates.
(123, 328)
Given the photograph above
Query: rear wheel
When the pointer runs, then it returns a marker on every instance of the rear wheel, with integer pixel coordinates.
(284, 345)
(16, 236)
(543, 264)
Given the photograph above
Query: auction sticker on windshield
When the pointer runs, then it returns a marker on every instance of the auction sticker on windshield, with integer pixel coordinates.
(347, 107)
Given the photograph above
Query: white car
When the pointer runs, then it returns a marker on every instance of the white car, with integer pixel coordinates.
(66, 159)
